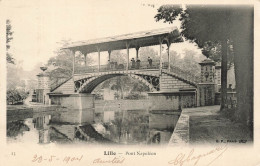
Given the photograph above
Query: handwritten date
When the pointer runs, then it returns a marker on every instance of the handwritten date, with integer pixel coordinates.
(52, 158)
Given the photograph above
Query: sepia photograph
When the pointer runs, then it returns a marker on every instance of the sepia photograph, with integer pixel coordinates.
(107, 82)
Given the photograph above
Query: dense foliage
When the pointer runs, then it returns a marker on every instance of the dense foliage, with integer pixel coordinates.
(222, 25)
(15, 96)
(9, 38)
(63, 61)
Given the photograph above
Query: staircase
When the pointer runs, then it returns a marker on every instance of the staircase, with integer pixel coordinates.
(63, 86)
(182, 75)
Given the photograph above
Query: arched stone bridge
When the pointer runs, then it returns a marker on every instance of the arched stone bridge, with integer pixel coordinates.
(167, 81)
(87, 83)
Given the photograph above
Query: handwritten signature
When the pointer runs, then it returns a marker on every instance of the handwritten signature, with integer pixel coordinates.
(183, 158)
(115, 160)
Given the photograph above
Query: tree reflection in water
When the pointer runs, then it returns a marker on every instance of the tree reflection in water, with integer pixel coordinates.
(16, 128)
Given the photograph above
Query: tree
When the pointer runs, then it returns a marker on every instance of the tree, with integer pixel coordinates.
(175, 58)
(190, 62)
(137, 87)
(63, 58)
(146, 52)
(121, 85)
(243, 45)
(222, 24)
(14, 75)
(9, 38)
(14, 96)
(64, 61)
(212, 50)
(118, 56)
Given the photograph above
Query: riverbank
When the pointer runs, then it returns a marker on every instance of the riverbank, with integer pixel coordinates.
(17, 112)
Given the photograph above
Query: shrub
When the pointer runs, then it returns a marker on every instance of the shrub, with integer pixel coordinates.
(14, 96)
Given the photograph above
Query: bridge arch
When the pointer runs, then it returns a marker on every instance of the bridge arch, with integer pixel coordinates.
(87, 85)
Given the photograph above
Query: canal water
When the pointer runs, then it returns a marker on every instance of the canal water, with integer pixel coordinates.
(117, 126)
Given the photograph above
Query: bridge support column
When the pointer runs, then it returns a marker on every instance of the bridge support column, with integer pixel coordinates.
(73, 64)
(127, 51)
(160, 67)
(137, 50)
(78, 108)
(98, 59)
(109, 55)
(169, 57)
(85, 59)
(160, 42)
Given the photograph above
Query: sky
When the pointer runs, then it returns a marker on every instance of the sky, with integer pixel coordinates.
(39, 25)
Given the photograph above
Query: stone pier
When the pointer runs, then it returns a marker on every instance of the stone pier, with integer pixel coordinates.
(77, 108)
(43, 86)
(206, 88)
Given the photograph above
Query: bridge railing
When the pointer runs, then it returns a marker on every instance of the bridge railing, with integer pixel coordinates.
(114, 66)
(185, 74)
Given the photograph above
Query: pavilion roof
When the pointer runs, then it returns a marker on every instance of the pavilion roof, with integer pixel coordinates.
(138, 39)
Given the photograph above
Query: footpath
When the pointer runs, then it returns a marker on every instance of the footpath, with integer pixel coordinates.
(207, 125)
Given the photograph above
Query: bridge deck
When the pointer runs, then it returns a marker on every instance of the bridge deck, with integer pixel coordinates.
(154, 72)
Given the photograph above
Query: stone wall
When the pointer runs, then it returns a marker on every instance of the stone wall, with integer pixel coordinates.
(188, 99)
(164, 101)
(180, 135)
(172, 100)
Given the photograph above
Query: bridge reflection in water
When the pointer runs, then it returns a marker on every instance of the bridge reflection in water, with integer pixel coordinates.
(124, 127)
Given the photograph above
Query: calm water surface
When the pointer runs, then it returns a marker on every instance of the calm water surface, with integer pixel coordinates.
(110, 127)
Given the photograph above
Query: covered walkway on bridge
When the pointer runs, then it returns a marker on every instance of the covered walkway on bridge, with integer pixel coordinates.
(126, 41)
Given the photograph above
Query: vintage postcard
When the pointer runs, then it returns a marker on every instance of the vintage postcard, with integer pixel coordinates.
(112, 82)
